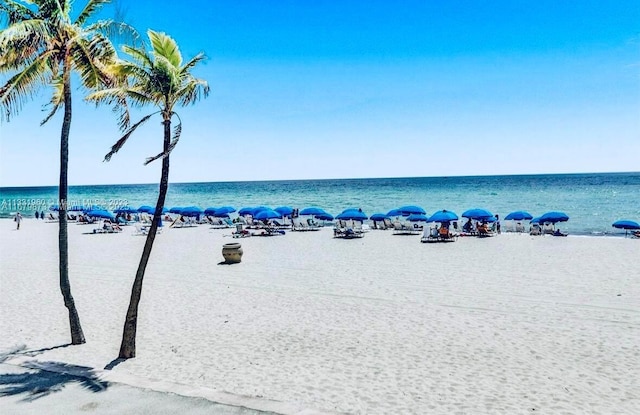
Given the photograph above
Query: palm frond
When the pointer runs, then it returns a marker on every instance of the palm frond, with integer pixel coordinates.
(177, 130)
(14, 12)
(118, 145)
(22, 86)
(108, 95)
(91, 58)
(111, 96)
(163, 45)
(54, 8)
(187, 66)
(89, 9)
(117, 31)
(56, 99)
(166, 78)
(139, 55)
(116, 97)
(21, 40)
(193, 91)
(124, 117)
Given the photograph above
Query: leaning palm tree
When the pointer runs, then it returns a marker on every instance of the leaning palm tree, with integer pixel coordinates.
(160, 79)
(41, 46)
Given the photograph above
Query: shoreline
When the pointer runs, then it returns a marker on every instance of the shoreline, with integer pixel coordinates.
(382, 324)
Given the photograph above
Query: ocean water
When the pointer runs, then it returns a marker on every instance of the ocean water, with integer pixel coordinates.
(592, 201)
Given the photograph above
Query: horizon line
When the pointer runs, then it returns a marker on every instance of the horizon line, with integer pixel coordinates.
(343, 178)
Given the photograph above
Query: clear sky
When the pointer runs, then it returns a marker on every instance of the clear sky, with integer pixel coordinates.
(341, 89)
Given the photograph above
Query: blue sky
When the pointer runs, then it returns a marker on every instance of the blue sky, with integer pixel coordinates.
(332, 89)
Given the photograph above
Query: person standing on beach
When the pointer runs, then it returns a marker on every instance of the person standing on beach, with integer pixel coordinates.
(18, 219)
(497, 224)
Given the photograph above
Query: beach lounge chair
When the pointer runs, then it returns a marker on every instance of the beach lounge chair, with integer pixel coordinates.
(108, 227)
(347, 233)
(429, 235)
(143, 229)
(435, 234)
(405, 228)
(483, 230)
(304, 225)
(535, 230)
(548, 228)
(268, 231)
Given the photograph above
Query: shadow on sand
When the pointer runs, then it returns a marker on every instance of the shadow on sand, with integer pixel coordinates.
(36, 379)
(39, 379)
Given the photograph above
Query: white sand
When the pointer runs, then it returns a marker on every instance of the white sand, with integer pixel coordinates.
(378, 325)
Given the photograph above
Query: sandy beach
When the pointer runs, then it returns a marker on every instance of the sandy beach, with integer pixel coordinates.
(310, 324)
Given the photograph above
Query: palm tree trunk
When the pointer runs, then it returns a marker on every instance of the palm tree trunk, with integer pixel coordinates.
(128, 345)
(77, 336)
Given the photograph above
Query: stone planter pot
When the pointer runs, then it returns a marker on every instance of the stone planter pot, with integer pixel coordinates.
(232, 253)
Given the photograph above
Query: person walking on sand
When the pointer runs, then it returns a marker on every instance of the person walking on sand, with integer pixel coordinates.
(18, 219)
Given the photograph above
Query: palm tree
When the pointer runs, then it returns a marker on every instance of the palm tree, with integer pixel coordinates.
(159, 79)
(42, 45)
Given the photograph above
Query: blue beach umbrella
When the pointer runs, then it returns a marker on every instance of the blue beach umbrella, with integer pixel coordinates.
(312, 211)
(411, 209)
(245, 211)
(443, 216)
(223, 212)
(267, 214)
(417, 217)
(226, 209)
(519, 215)
(352, 214)
(153, 211)
(323, 216)
(175, 209)
(210, 211)
(477, 214)
(284, 210)
(258, 209)
(379, 217)
(535, 220)
(100, 213)
(125, 209)
(191, 211)
(626, 225)
(394, 212)
(554, 217)
(145, 208)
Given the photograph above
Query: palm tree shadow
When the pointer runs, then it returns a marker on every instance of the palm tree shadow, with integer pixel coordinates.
(21, 350)
(33, 353)
(40, 379)
(114, 363)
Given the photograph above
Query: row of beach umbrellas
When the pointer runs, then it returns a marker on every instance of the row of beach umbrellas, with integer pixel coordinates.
(410, 213)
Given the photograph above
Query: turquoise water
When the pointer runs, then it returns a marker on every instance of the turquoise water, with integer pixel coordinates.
(592, 201)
